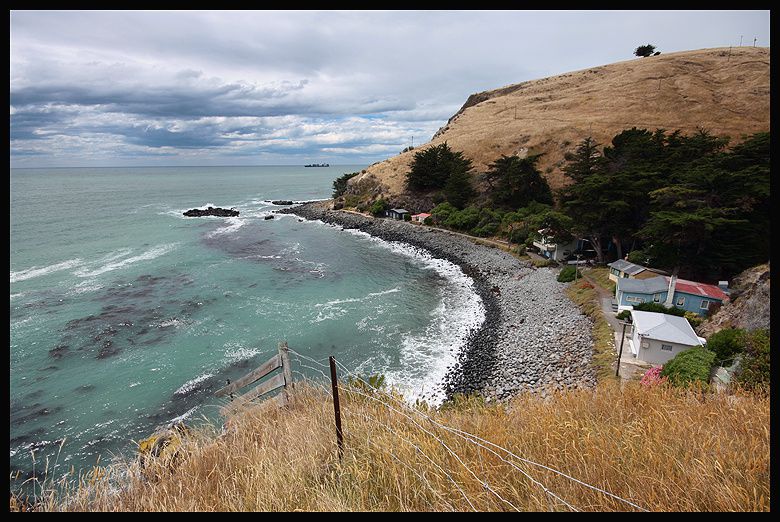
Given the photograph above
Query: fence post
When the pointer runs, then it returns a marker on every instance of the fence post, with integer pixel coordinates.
(336, 408)
(286, 370)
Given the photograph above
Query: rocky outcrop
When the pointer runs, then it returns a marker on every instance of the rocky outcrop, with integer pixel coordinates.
(211, 211)
(748, 305)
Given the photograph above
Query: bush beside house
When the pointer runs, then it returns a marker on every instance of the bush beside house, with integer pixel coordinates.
(689, 367)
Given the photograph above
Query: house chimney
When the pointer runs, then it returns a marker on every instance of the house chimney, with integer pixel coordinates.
(670, 293)
(724, 285)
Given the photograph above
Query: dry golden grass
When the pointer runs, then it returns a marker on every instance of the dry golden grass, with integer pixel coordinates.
(724, 91)
(588, 300)
(661, 449)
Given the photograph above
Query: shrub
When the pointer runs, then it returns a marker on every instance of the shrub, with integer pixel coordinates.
(428, 221)
(694, 319)
(726, 343)
(754, 365)
(659, 308)
(568, 273)
(689, 367)
(378, 207)
(407, 217)
(624, 315)
(652, 377)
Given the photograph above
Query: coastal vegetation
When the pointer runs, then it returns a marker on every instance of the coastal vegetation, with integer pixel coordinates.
(686, 203)
(340, 184)
(630, 441)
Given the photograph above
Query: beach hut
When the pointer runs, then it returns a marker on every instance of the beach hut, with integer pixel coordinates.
(396, 213)
(419, 218)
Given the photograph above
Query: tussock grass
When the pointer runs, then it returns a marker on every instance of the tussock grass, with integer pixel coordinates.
(604, 356)
(661, 448)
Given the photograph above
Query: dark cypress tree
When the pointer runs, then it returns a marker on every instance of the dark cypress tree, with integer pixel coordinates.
(515, 182)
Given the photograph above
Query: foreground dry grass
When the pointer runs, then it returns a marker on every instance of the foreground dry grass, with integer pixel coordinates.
(660, 448)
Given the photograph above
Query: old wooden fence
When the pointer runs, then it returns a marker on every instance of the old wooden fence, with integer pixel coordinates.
(282, 379)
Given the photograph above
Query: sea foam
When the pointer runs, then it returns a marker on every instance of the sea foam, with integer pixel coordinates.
(35, 271)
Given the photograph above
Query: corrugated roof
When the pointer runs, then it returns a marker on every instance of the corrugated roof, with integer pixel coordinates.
(399, 210)
(664, 327)
(702, 289)
(627, 267)
(652, 285)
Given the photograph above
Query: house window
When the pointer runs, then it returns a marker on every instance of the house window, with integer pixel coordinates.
(705, 305)
(657, 298)
(635, 299)
(666, 347)
(680, 301)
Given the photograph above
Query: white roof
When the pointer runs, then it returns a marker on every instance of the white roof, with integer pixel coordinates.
(665, 327)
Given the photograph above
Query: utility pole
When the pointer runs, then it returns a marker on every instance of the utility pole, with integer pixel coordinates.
(729, 58)
(754, 42)
(412, 141)
(740, 40)
(620, 355)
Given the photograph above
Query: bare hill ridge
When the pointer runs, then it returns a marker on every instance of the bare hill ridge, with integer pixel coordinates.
(725, 92)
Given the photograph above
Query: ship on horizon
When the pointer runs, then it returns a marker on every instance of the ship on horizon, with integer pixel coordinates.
(317, 165)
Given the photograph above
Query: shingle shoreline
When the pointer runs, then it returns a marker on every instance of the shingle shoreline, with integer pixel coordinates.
(533, 337)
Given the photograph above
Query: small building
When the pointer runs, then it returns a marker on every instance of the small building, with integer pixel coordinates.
(555, 251)
(622, 268)
(669, 291)
(396, 213)
(419, 218)
(657, 338)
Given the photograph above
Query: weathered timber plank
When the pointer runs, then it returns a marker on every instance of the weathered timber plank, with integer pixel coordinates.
(275, 401)
(256, 374)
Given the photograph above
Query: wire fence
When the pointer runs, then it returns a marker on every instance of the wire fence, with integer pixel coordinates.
(432, 429)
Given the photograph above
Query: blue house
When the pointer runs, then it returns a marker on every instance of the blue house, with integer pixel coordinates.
(668, 291)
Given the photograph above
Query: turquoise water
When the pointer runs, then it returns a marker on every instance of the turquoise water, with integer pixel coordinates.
(125, 315)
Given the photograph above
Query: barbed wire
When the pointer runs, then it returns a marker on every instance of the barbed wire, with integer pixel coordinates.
(465, 434)
(474, 439)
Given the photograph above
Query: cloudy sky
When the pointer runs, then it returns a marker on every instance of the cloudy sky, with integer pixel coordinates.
(272, 87)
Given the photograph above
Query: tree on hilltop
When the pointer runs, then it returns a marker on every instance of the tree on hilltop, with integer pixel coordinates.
(644, 50)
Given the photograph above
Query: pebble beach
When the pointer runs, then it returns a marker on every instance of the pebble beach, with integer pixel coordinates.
(533, 339)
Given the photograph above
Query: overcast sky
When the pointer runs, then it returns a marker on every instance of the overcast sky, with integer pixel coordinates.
(273, 87)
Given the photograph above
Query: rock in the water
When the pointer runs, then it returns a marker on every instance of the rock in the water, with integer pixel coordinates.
(211, 211)
(282, 202)
(269, 216)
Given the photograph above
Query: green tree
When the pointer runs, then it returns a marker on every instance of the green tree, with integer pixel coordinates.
(701, 222)
(340, 184)
(431, 168)
(515, 182)
(644, 50)
(458, 190)
(585, 161)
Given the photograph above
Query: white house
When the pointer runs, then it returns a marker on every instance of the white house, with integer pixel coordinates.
(657, 338)
(554, 251)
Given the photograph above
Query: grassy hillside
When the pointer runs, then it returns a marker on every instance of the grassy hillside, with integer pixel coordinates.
(614, 448)
(724, 91)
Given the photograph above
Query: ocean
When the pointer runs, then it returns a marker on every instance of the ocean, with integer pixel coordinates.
(126, 316)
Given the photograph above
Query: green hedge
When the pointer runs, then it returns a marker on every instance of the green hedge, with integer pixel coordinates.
(690, 366)
(567, 274)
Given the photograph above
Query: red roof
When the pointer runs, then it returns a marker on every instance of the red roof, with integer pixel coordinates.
(421, 214)
(702, 289)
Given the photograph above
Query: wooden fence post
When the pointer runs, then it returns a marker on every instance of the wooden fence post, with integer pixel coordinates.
(336, 408)
(286, 370)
